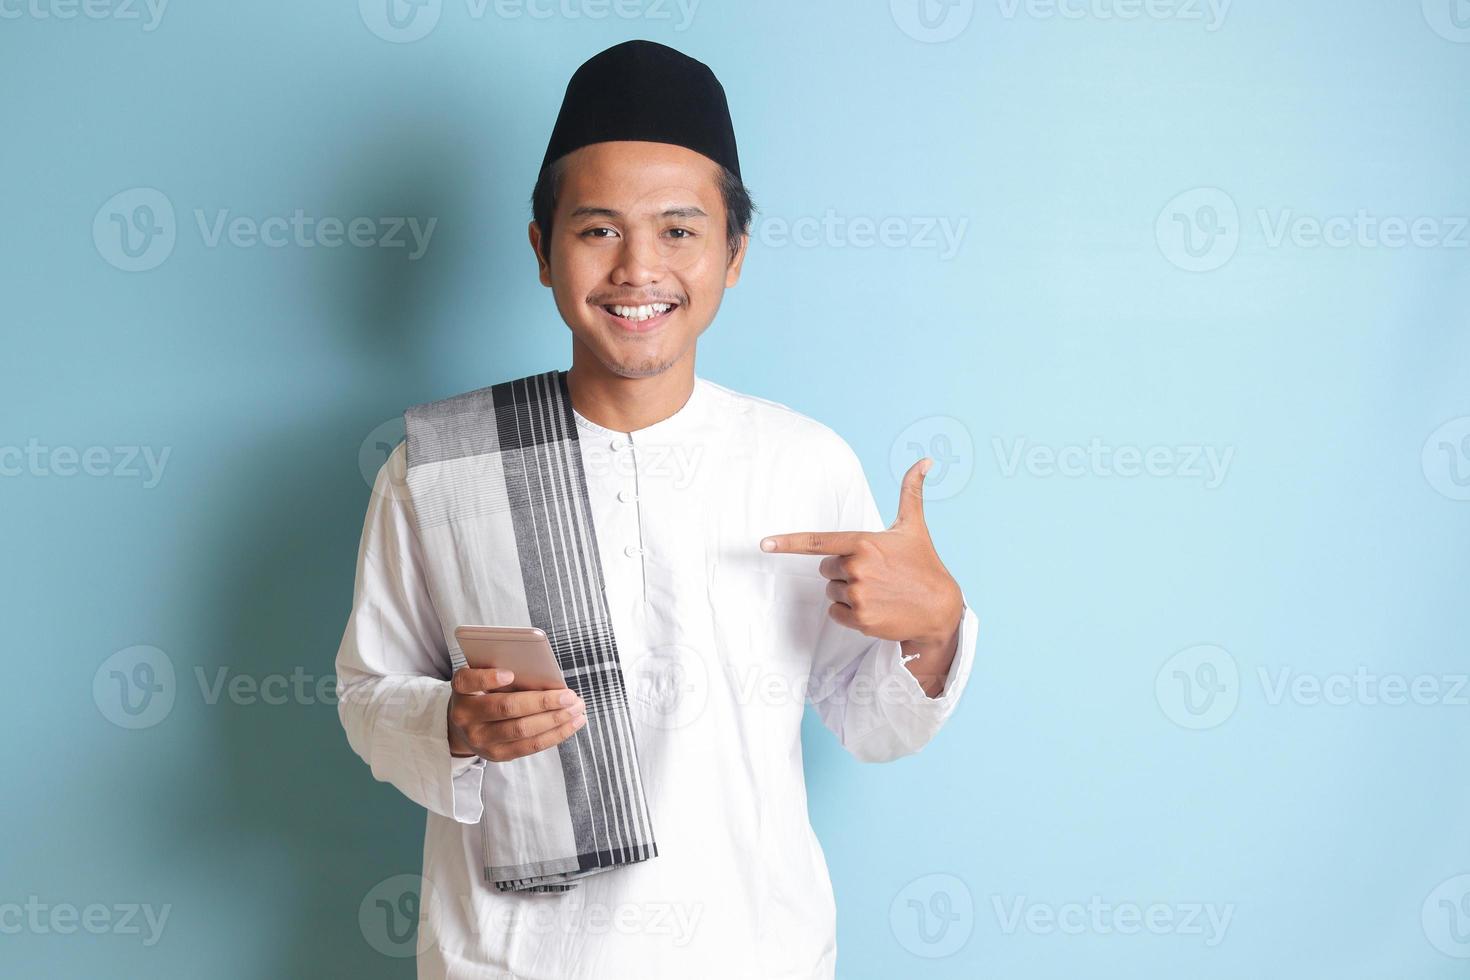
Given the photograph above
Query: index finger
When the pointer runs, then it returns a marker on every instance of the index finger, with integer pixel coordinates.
(478, 680)
(813, 542)
(518, 704)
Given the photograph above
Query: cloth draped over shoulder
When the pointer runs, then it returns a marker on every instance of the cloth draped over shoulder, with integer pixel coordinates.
(500, 498)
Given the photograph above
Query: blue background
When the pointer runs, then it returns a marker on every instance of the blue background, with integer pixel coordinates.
(1336, 540)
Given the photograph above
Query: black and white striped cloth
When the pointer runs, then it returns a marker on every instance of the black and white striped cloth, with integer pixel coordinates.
(500, 499)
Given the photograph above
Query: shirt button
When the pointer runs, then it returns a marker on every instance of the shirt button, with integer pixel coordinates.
(632, 550)
(618, 445)
(627, 496)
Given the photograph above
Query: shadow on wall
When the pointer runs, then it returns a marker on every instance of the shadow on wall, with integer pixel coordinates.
(285, 791)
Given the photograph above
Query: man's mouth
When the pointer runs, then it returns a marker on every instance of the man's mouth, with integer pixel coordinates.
(638, 314)
(639, 318)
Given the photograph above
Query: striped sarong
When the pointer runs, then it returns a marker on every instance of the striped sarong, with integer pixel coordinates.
(500, 501)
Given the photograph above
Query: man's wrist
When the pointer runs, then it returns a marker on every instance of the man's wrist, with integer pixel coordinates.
(458, 746)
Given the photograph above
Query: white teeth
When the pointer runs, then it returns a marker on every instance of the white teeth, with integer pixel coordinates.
(638, 313)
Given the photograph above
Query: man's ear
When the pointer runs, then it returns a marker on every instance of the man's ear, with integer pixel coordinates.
(534, 231)
(732, 274)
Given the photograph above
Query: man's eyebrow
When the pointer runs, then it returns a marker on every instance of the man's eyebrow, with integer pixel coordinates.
(590, 211)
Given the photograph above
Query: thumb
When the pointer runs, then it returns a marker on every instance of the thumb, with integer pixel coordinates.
(911, 494)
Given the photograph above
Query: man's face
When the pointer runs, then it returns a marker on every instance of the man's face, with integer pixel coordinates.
(637, 224)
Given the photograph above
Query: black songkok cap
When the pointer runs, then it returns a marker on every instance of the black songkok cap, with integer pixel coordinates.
(642, 90)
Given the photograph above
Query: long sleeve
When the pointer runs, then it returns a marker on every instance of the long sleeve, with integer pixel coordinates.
(860, 686)
(393, 665)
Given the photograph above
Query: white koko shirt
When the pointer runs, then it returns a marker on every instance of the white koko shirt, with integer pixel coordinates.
(720, 644)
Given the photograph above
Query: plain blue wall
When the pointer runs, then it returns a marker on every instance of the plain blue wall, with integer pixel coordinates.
(1084, 161)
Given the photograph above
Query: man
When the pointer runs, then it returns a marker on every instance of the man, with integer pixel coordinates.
(704, 562)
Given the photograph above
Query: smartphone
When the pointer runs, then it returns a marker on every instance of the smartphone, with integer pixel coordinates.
(523, 650)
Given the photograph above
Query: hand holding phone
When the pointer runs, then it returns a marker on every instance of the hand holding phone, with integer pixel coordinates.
(499, 714)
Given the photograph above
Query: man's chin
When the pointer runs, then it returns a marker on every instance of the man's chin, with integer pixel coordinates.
(640, 368)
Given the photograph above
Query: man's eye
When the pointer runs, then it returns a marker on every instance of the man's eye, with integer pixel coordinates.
(684, 232)
(592, 232)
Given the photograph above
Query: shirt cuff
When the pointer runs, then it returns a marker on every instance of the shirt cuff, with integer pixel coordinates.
(419, 744)
(959, 667)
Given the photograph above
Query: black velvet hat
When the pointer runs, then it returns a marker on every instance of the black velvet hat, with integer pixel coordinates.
(642, 90)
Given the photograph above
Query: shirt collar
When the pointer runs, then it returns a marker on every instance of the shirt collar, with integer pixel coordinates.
(687, 415)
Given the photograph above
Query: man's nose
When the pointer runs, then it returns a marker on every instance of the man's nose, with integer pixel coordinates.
(640, 260)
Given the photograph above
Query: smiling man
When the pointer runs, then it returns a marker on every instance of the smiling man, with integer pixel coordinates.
(704, 563)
